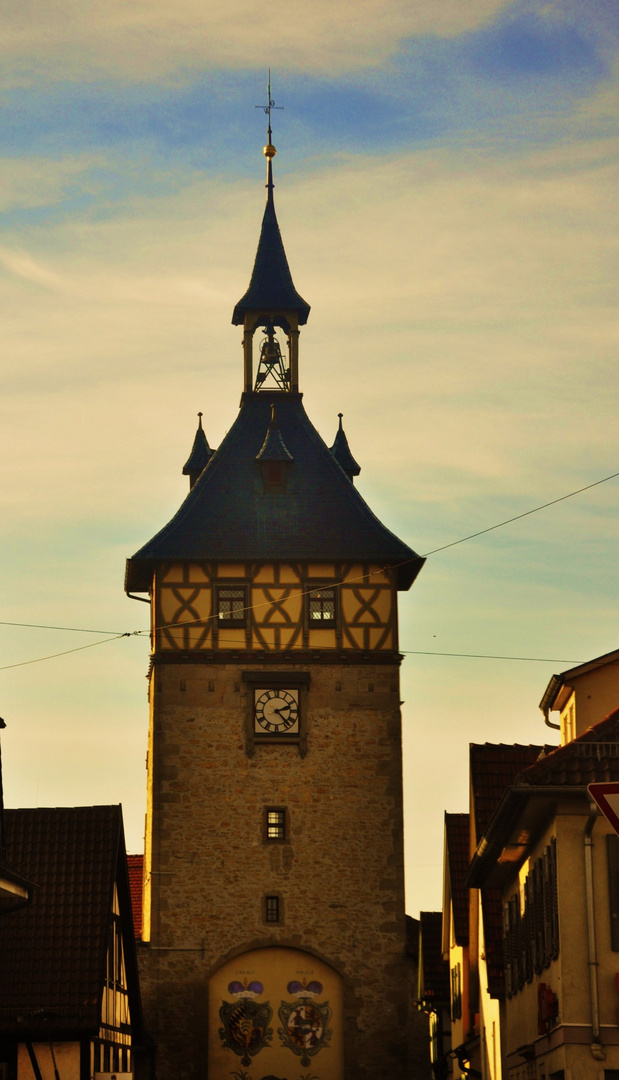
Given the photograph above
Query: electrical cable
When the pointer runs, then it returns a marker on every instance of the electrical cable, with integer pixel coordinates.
(67, 652)
(490, 656)
(404, 562)
(75, 629)
(518, 517)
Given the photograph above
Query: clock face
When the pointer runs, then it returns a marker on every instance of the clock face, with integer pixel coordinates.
(276, 712)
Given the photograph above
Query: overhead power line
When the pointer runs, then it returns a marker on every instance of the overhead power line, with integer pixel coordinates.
(518, 517)
(52, 656)
(435, 551)
(74, 629)
(490, 656)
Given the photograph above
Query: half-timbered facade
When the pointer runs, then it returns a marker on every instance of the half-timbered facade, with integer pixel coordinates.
(274, 607)
(274, 932)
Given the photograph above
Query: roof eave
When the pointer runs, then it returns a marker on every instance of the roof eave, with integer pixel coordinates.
(139, 572)
(486, 870)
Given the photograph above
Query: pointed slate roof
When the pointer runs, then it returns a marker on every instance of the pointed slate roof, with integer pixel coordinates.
(274, 448)
(200, 455)
(53, 952)
(341, 452)
(271, 287)
(228, 514)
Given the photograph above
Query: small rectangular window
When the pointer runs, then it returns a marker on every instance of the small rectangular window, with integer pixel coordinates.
(321, 607)
(231, 605)
(271, 909)
(275, 823)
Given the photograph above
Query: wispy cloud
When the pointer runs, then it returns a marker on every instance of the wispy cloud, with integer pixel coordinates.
(158, 38)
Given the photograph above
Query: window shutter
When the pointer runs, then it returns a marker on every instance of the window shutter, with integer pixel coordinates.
(554, 899)
(612, 849)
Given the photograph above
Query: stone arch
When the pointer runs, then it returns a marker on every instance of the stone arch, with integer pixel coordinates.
(275, 1011)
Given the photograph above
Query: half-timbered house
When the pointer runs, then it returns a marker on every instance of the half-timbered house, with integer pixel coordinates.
(69, 997)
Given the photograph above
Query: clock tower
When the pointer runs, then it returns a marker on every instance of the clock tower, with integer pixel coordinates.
(274, 931)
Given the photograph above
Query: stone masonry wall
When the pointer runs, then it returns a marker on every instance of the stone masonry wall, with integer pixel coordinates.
(340, 875)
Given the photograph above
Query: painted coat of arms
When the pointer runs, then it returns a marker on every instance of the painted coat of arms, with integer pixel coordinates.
(245, 1022)
(305, 1022)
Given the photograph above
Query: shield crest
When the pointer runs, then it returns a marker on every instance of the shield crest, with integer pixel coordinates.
(245, 1027)
(304, 1027)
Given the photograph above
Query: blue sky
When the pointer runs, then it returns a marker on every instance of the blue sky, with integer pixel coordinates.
(446, 184)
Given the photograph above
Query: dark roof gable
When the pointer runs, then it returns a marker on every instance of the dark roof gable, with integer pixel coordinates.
(53, 952)
(457, 850)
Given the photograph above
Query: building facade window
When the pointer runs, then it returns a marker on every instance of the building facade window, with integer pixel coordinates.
(272, 909)
(275, 823)
(531, 923)
(232, 605)
(322, 607)
(456, 993)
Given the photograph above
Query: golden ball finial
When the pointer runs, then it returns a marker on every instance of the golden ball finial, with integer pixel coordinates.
(269, 150)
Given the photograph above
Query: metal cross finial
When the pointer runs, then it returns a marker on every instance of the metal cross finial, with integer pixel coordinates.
(271, 105)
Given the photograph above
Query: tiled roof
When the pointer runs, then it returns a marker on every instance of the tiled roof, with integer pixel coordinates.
(457, 844)
(135, 865)
(593, 756)
(228, 515)
(494, 767)
(434, 973)
(52, 953)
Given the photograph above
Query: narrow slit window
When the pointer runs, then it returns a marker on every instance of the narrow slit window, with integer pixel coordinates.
(272, 909)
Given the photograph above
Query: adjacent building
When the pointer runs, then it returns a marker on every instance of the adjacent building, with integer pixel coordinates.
(69, 996)
(554, 859)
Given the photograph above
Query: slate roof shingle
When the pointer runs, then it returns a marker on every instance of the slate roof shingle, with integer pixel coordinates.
(228, 514)
(271, 287)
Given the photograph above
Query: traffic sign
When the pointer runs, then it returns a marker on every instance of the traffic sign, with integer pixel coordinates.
(606, 795)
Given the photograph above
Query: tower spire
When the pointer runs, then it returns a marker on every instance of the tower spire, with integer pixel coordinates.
(269, 150)
(271, 300)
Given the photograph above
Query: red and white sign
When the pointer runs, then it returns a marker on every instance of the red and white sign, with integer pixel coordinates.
(606, 795)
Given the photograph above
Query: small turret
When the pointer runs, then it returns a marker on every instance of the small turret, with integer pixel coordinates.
(199, 457)
(274, 457)
(341, 453)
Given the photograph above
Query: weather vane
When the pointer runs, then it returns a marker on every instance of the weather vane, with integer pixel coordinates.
(271, 105)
